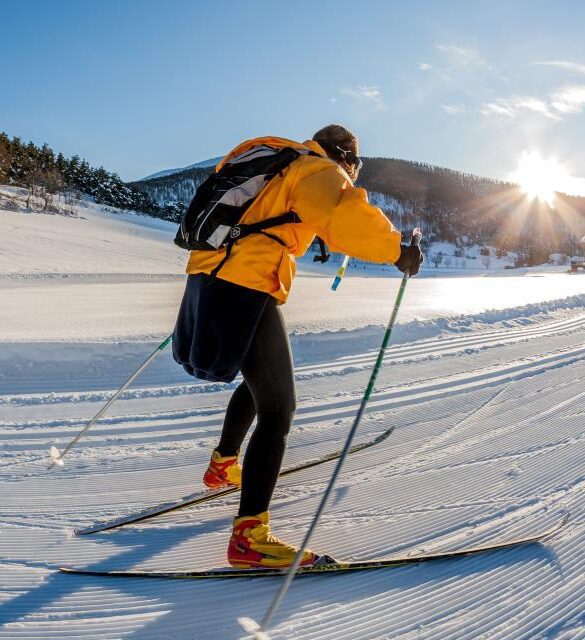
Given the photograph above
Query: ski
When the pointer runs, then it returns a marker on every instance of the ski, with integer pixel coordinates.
(201, 497)
(325, 564)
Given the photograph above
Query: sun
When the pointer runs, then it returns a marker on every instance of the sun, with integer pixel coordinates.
(540, 178)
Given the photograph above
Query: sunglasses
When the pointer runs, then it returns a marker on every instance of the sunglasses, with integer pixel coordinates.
(351, 158)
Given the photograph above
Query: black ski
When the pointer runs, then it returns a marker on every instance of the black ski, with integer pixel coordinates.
(201, 497)
(325, 564)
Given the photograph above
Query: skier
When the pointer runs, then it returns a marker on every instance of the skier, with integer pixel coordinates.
(230, 321)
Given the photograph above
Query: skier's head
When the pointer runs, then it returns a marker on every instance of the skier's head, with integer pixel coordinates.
(341, 145)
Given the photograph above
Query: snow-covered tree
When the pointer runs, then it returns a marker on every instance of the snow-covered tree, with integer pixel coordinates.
(437, 258)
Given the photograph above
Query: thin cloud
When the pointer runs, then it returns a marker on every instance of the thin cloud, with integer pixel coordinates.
(370, 94)
(454, 109)
(500, 109)
(456, 61)
(535, 105)
(575, 67)
(462, 56)
(569, 99)
(562, 102)
(425, 66)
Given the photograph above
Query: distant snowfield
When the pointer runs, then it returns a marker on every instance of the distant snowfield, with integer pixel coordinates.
(484, 384)
(118, 276)
(121, 308)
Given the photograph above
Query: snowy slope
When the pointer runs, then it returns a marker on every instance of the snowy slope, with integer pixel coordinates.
(489, 442)
(95, 241)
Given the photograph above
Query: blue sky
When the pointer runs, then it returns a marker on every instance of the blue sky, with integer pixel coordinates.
(143, 85)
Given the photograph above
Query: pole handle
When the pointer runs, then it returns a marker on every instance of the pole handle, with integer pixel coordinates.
(414, 242)
(416, 237)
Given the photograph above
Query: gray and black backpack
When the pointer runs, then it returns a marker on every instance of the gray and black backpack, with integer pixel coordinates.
(212, 220)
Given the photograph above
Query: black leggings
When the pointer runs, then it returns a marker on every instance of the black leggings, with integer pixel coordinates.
(268, 392)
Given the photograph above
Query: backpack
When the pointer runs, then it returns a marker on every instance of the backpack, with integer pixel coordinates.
(212, 220)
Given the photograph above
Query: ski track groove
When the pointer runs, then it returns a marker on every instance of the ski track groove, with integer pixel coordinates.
(475, 456)
(310, 414)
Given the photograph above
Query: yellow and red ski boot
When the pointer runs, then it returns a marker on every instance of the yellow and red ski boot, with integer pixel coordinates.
(223, 471)
(252, 545)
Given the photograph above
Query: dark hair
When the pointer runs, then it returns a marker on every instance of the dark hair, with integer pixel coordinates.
(334, 137)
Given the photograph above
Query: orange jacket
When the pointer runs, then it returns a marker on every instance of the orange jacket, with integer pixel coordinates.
(323, 196)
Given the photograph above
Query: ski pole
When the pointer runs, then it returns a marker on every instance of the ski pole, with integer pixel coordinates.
(56, 456)
(340, 273)
(259, 630)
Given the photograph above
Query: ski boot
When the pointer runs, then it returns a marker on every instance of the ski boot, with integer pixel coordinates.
(223, 471)
(252, 545)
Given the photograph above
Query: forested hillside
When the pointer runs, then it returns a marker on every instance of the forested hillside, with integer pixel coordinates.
(449, 205)
(467, 209)
(51, 177)
(177, 187)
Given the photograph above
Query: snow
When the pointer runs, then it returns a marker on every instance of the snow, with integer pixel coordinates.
(95, 242)
(483, 382)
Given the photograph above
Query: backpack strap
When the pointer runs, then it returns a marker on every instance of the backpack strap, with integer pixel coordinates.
(256, 227)
(239, 231)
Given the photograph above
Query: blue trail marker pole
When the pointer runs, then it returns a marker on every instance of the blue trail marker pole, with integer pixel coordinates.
(340, 273)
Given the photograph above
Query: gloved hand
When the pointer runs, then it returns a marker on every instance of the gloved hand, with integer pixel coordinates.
(411, 258)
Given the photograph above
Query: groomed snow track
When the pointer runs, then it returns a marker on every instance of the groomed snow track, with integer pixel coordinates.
(489, 442)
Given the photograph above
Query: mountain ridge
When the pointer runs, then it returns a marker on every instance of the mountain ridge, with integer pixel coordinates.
(203, 164)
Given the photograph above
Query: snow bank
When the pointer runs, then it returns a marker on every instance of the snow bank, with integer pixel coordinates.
(332, 343)
(514, 316)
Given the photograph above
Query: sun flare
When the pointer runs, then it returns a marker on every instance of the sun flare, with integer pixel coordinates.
(540, 177)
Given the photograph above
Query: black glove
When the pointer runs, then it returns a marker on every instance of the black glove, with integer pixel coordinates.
(411, 258)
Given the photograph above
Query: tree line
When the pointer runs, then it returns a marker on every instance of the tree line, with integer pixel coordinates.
(46, 174)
